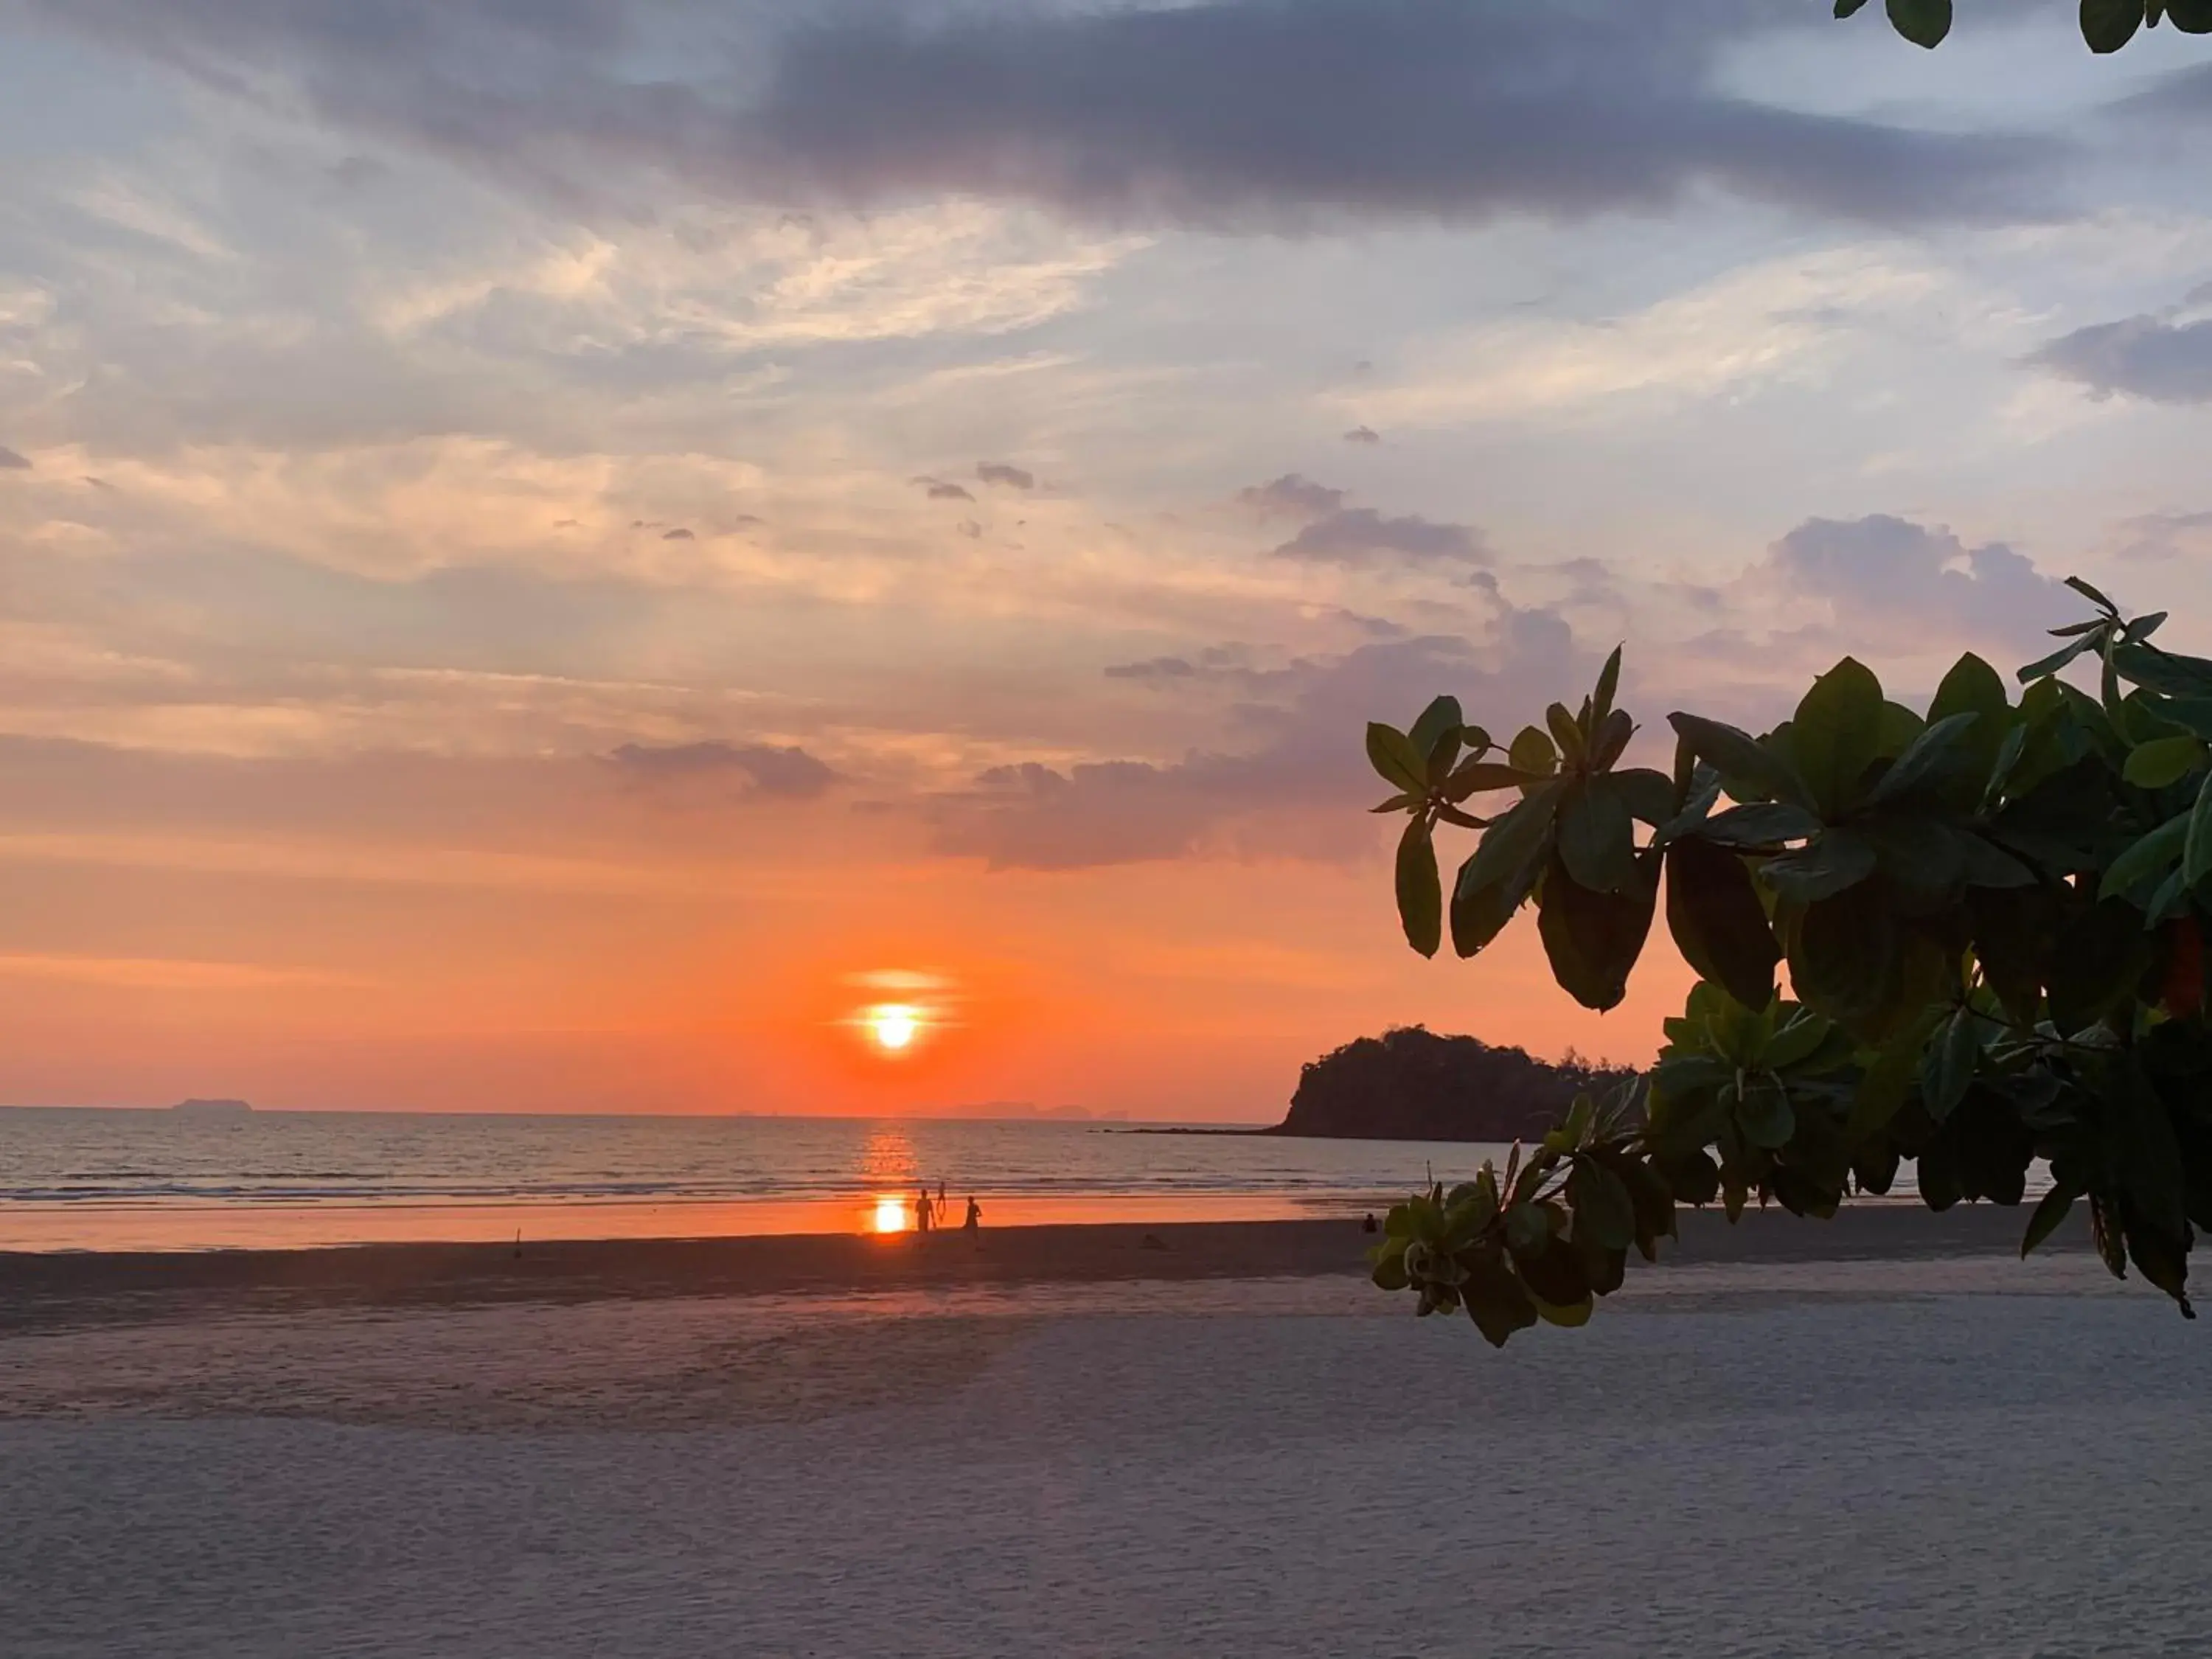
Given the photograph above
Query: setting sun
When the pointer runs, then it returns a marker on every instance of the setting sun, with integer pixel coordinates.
(893, 1026)
(889, 1216)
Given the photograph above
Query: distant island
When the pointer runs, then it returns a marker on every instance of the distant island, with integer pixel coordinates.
(1409, 1083)
(211, 1108)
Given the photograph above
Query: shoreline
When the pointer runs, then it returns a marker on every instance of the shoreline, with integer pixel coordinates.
(49, 1292)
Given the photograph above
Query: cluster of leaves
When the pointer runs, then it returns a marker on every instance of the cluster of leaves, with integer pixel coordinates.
(1543, 1239)
(2106, 25)
(1992, 916)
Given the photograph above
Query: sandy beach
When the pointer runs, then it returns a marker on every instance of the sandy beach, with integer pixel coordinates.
(1798, 1440)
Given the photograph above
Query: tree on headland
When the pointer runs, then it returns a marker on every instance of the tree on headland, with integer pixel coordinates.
(1993, 917)
(1410, 1084)
(2106, 25)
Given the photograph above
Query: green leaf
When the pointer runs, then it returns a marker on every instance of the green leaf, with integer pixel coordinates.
(1597, 838)
(2093, 596)
(2163, 671)
(1608, 682)
(1848, 7)
(1837, 860)
(1532, 753)
(1497, 1301)
(2056, 1205)
(1649, 795)
(2196, 847)
(2148, 857)
(1887, 1080)
(1592, 938)
(1420, 892)
(1477, 777)
(1517, 839)
(1835, 734)
(1987, 865)
(1440, 720)
(1736, 755)
(1764, 1114)
(2189, 16)
(1391, 753)
(1798, 1040)
(1564, 732)
(1717, 922)
(1389, 1273)
(1614, 732)
(1924, 858)
(1938, 751)
(1604, 1212)
(2108, 25)
(1923, 22)
(1948, 1068)
(1763, 824)
(1572, 1315)
(1973, 687)
(2043, 666)
(2098, 956)
(2162, 761)
(1844, 957)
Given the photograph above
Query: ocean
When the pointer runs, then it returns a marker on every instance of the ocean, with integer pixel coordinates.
(97, 1179)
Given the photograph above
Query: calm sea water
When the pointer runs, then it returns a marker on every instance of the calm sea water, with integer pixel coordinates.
(97, 1179)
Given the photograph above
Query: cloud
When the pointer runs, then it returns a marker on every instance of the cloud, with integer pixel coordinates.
(1359, 535)
(2142, 356)
(939, 489)
(1293, 496)
(679, 534)
(10, 461)
(1336, 534)
(2154, 538)
(1904, 582)
(1225, 114)
(1363, 434)
(997, 472)
(1158, 668)
(763, 772)
(1298, 793)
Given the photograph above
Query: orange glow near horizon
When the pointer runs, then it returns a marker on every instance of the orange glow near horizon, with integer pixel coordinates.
(889, 1216)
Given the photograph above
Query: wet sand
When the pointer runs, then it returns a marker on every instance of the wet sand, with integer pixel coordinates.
(1795, 1441)
(41, 1291)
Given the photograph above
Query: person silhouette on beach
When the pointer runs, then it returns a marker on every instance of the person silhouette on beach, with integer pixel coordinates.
(975, 1221)
(924, 1212)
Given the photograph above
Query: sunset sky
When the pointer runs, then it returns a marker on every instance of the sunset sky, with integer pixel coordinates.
(554, 552)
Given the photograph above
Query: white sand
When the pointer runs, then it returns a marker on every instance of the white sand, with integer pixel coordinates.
(1738, 1462)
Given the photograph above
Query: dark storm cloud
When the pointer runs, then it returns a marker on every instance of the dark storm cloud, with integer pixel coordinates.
(679, 534)
(998, 472)
(761, 770)
(2142, 356)
(1234, 113)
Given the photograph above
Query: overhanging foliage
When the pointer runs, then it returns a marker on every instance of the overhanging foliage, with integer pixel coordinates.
(1992, 916)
